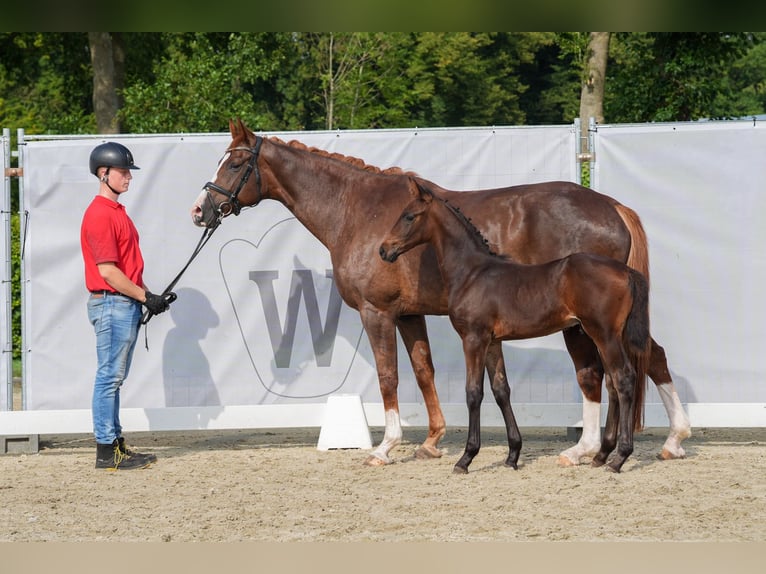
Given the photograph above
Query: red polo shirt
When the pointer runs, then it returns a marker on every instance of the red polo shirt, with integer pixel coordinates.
(107, 235)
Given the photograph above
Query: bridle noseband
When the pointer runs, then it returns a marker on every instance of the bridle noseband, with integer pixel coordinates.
(232, 204)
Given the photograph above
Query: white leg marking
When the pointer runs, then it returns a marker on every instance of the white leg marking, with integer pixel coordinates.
(590, 441)
(391, 438)
(680, 428)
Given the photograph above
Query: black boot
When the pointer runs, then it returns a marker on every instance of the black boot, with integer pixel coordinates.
(130, 452)
(110, 457)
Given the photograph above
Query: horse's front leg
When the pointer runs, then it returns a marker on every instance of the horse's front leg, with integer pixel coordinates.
(415, 337)
(590, 373)
(382, 336)
(474, 350)
(502, 391)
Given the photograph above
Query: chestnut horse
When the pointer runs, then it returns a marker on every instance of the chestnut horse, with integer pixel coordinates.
(348, 206)
(492, 298)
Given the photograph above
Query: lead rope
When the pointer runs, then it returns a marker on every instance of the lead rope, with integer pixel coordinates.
(168, 294)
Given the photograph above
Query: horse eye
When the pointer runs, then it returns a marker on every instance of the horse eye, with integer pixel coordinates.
(409, 217)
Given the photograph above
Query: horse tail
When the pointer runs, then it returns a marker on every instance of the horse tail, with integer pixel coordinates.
(638, 256)
(637, 338)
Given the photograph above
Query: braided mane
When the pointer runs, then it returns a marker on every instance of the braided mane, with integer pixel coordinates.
(465, 220)
(355, 161)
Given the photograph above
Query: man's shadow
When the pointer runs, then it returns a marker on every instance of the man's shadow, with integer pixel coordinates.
(185, 369)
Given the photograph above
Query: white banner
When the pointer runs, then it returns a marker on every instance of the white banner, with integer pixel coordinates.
(699, 189)
(258, 320)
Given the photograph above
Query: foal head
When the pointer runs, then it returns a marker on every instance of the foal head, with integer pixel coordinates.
(413, 226)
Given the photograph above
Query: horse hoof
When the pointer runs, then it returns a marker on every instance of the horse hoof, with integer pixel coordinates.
(596, 463)
(667, 455)
(610, 468)
(427, 452)
(373, 460)
(564, 460)
(512, 465)
(459, 470)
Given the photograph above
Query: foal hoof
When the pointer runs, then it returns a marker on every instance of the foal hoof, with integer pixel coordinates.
(459, 470)
(427, 452)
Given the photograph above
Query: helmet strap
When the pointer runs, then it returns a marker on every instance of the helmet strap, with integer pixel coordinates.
(105, 179)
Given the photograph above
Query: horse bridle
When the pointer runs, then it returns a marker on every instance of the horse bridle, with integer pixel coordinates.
(232, 204)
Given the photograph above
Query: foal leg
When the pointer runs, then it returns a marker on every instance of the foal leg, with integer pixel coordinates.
(620, 384)
(680, 428)
(382, 335)
(590, 373)
(609, 440)
(626, 380)
(415, 337)
(502, 392)
(474, 350)
(612, 353)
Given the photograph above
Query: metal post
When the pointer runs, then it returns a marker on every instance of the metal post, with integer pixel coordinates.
(23, 217)
(5, 211)
(592, 150)
(586, 150)
(578, 147)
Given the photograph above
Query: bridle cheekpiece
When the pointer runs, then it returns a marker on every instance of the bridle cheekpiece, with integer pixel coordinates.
(232, 204)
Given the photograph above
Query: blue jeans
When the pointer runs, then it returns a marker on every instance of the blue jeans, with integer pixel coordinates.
(116, 320)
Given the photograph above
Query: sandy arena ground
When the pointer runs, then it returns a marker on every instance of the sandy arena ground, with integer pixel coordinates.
(276, 486)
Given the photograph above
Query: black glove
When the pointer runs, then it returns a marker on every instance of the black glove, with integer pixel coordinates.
(158, 303)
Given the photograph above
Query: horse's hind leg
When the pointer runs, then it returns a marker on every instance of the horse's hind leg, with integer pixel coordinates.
(590, 373)
(680, 428)
(415, 338)
(626, 382)
(615, 361)
(502, 392)
(609, 440)
(620, 384)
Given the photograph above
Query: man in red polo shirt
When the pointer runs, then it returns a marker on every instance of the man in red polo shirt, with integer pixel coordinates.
(114, 270)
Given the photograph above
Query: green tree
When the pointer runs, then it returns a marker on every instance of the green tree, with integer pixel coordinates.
(107, 57)
(471, 78)
(201, 80)
(346, 81)
(669, 76)
(362, 80)
(554, 78)
(45, 82)
(744, 91)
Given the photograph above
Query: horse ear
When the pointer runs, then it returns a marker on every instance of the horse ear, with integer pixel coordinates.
(422, 192)
(233, 128)
(414, 189)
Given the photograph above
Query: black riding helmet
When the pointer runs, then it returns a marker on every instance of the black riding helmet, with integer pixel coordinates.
(111, 154)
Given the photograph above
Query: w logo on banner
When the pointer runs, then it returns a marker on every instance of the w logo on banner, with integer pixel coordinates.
(299, 337)
(283, 337)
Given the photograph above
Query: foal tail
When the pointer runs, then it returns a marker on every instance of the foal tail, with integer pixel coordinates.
(638, 341)
(638, 257)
